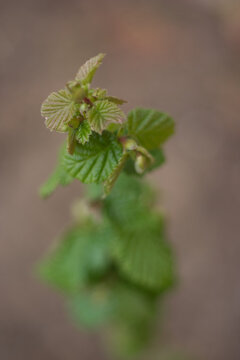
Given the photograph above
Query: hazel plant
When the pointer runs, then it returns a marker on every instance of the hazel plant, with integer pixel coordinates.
(114, 264)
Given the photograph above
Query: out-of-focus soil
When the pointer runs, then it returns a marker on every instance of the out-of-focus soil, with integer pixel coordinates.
(166, 54)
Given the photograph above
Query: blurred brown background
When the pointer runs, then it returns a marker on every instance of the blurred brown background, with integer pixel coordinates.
(181, 56)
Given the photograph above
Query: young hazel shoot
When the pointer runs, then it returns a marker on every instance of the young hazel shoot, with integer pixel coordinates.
(114, 263)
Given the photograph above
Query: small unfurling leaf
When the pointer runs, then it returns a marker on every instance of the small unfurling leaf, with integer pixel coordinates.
(83, 132)
(87, 71)
(104, 113)
(115, 100)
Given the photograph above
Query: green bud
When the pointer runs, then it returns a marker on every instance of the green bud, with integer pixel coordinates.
(130, 145)
(74, 122)
(83, 107)
(141, 163)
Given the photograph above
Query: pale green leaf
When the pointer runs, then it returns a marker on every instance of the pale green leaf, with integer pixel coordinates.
(99, 93)
(94, 161)
(83, 132)
(58, 109)
(149, 127)
(87, 71)
(103, 113)
(115, 100)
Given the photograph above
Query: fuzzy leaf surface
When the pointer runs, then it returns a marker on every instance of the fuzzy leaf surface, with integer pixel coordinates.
(149, 127)
(94, 161)
(103, 113)
(58, 109)
(86, 72)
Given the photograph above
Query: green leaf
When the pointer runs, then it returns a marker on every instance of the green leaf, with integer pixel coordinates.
(58, 109)
(78, 93)
(103, 113)
(115, 100)
(81, 256)
(87, 71)
(92, 307)
(94, 192)
(83, 132)
(114, 301)
(133, 317)
(94, 161)
(58, 177)
(99, 93)
(144, 257)
(159, 159)
(128, 341)
(149, 127)
(133, 305)
(128, 202)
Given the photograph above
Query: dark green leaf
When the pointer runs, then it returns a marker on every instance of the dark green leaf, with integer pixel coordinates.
(149, 127)
(128, 202)
(95, 161)
(144, 257)
(133, 319)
